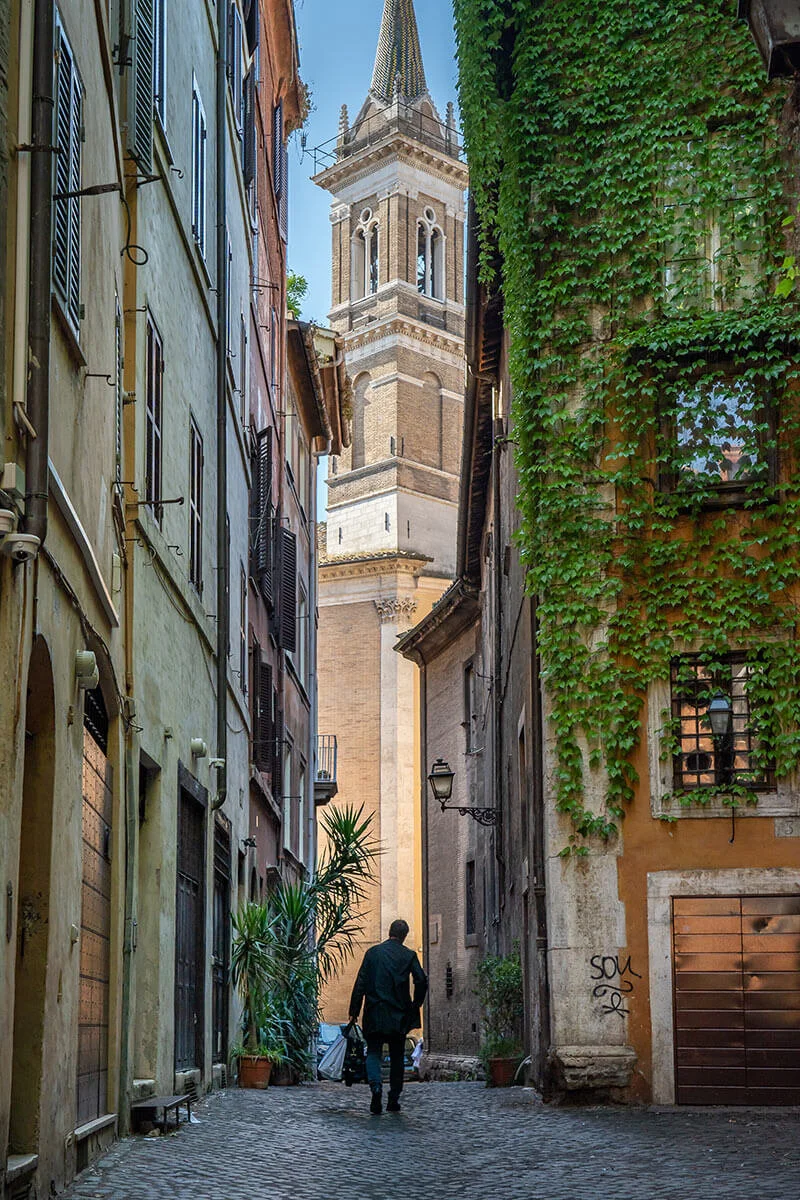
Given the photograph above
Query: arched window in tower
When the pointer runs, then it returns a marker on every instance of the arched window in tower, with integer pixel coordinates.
(430, 256)
(361, 398)
(364, 257)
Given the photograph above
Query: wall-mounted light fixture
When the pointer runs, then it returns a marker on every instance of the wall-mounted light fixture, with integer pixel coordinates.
(198, 748)
(441, 781)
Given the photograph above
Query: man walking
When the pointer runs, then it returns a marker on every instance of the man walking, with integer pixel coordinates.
(389, 1011)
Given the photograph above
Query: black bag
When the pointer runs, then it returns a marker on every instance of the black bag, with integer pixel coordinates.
(354, 1069)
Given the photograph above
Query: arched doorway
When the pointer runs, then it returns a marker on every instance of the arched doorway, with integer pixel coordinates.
(33, 903)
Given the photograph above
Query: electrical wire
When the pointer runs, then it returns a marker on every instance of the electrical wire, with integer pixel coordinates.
(140, 257)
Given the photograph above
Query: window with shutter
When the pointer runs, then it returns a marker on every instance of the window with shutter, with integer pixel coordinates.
(277, 143)
(277, 750)
(118, 380)
(154, 391)
(160, 60)
(249, 131)
(287, 630)
(261, 516)
(141, 87)
(199, 132)
(67, 208)
(263, 730)
(196, 509)
(235, 63)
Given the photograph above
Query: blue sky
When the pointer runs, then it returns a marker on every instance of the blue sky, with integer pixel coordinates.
(337, 53)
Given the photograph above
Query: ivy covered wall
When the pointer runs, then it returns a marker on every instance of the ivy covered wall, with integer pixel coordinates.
(626, 160)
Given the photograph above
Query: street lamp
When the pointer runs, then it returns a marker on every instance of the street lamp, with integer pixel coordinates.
(441, 781)
(720, 718)
(775, 26)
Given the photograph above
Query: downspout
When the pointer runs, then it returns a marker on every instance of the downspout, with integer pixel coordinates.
(497, 565)
(539, 863)
(34, 521)
(423, 754)
(223, 560)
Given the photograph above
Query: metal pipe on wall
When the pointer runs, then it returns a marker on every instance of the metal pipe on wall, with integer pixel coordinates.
(223, 555)
(34, 520)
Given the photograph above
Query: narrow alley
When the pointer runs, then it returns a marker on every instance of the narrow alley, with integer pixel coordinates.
(451, 1140)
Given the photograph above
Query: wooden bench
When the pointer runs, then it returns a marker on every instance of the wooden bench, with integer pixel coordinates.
(147, 1111)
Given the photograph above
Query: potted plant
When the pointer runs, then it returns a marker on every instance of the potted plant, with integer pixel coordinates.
(499, 989)
(286, 948)
(252, 972)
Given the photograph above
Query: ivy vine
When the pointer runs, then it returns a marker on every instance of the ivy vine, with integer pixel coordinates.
(625, 160)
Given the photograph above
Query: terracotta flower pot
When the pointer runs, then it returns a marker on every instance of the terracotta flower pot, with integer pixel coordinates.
(254, 1072)
(502, 1071)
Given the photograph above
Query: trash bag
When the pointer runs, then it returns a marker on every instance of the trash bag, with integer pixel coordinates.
(354, 1067)
(331, 1064)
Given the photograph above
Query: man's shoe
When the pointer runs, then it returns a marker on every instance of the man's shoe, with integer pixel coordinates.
(392, 1105)
(375, 1105)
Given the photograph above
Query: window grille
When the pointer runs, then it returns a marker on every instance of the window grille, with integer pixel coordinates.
(67, 170)
(703, 761)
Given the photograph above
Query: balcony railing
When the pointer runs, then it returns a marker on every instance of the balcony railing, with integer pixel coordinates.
(325, 785)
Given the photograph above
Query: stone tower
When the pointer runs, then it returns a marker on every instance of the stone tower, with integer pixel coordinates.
(398, 184)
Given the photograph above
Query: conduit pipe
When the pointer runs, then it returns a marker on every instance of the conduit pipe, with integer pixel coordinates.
(34, 520)
(223, 569)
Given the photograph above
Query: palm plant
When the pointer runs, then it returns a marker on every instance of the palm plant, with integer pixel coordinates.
(287, 948)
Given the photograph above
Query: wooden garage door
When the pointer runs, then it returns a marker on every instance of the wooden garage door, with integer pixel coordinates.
(737, 999)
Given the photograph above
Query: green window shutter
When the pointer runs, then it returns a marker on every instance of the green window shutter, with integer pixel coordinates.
(140, 94)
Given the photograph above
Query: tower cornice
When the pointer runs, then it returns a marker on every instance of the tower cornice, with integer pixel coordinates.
(397, 147)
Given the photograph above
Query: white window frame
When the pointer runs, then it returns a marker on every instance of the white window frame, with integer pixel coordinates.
(160, 61)
(199, 168)
(195, 506)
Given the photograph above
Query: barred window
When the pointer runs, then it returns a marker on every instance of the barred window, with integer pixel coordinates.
(717, 436)
(703, 760)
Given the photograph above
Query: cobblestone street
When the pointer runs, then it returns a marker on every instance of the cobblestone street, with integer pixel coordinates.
(451, 1141)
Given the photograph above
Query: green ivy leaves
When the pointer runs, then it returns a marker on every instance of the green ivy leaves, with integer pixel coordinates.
(625, 160)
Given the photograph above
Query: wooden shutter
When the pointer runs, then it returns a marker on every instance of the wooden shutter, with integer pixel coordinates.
(67, 211)
(249, 139)
(263, 732)
(251, 24)
(277, 144)
(288, 568)
(277, 754)
(283, 213)
(140, 94)
(261, 516)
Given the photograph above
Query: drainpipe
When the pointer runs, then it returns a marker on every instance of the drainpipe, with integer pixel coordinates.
(223, 563)
(34, 521)
(498, 679)
(542, 1066)
(423, 754)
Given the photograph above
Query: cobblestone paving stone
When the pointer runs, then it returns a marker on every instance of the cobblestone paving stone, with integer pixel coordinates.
(451, 1141)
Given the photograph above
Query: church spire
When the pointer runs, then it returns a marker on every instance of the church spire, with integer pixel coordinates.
(398, 62)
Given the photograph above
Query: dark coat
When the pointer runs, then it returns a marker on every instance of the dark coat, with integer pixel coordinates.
(383, 986)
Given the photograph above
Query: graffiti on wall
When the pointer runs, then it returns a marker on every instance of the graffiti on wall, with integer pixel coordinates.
(613, 982)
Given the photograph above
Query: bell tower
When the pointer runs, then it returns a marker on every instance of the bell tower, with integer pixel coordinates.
(397, 183)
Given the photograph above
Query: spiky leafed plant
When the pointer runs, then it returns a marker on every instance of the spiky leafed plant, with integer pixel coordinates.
(251, 964)
(317, 923)
(304, 933)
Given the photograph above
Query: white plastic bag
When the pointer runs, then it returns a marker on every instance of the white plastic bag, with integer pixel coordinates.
(332, 1061)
